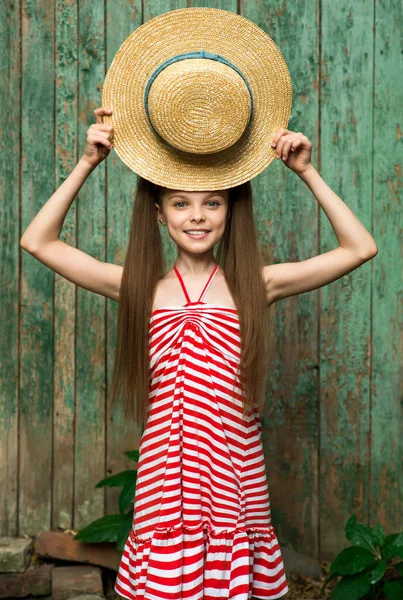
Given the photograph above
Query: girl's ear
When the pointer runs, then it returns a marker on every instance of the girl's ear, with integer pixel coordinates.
(159, 214)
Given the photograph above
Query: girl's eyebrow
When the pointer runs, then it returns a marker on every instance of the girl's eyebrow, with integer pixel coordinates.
(182, 195)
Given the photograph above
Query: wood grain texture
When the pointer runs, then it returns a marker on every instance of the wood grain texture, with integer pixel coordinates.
(90, 414)
(36, 291)
(386, 450)
(288, 222)
(345, 306)
(10, 39)
(332, 426)
(66, 105)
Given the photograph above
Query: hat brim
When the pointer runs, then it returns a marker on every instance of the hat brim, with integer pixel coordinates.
(185, 30)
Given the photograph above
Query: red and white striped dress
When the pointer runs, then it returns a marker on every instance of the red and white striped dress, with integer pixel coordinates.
(201, 525)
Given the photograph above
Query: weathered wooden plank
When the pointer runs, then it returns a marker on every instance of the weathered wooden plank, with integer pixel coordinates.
(91, 308)
(345, 327)
(65, 291)
(122, 19)
(36, 324)
(386, 479)
(284, 207)
(9, 263)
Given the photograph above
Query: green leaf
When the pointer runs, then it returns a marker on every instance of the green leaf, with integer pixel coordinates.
(393, 589)
(379, 534)
(397, 539)
(350, 526)
(133, 455)
(377, 572)
(329, 578)
(361, 535)
(351, 587)
(399, 551)
(352, 560)
(399, 568)
(392, 551)
(126, 497)
(393, 546)
(390, 539)
(119, 479)
(126, 526)
(105, 529)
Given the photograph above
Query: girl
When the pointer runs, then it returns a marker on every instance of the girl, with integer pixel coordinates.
(191, 352)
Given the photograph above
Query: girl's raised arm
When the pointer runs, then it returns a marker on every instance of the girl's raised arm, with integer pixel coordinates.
(356, 245)
(41, 238)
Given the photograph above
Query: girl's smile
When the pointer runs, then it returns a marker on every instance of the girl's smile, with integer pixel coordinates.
(197, 234)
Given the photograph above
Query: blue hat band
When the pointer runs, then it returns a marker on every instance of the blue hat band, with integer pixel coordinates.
(201, 54)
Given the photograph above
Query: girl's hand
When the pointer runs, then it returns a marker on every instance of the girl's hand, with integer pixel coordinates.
(293, 148)
(99, 138)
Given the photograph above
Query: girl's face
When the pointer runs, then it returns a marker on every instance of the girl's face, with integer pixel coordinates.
(183, 212)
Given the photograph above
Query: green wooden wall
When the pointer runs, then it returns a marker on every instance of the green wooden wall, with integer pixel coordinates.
(333, 422)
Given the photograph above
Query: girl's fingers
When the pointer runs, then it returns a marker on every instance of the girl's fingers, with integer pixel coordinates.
(279, 147)
(99, 139)
(286, 149)
(107, 131)
(279, 133)
(286, 143)
(101, 127)
(100, 112)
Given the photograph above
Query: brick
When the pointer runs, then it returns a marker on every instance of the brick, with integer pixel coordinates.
(63, 546)
(36, 580)
(15, 554)
(85, 597)
(35, 598)
(76, 580)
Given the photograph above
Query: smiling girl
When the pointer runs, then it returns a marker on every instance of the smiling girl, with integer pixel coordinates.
(191, 358)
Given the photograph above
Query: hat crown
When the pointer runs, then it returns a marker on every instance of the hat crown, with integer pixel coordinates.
(191, 100)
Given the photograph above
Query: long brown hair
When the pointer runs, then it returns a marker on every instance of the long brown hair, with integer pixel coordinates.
(239, 256)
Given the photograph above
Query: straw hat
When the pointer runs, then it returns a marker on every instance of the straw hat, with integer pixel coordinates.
(197, 95)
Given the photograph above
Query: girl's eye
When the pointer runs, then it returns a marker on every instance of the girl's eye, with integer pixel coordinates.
(210, 202)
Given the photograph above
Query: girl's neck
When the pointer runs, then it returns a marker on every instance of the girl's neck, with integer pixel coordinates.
(195, 268)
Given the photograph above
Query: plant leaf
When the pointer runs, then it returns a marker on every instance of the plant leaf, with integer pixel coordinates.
(126, 497)
(361, 535)
(118, 480)
(399, 568)
(351, 587)
(133, 455)
(350, 526)
(379, 533)
(394, 589)
(329, 578)
(393, 546)
(105, 529)
(126, 526)
(398, 539)
(390, 539)
(352, 560)
(377, 572)
(392, 551)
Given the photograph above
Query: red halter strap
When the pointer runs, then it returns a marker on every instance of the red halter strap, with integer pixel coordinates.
(205, 287)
